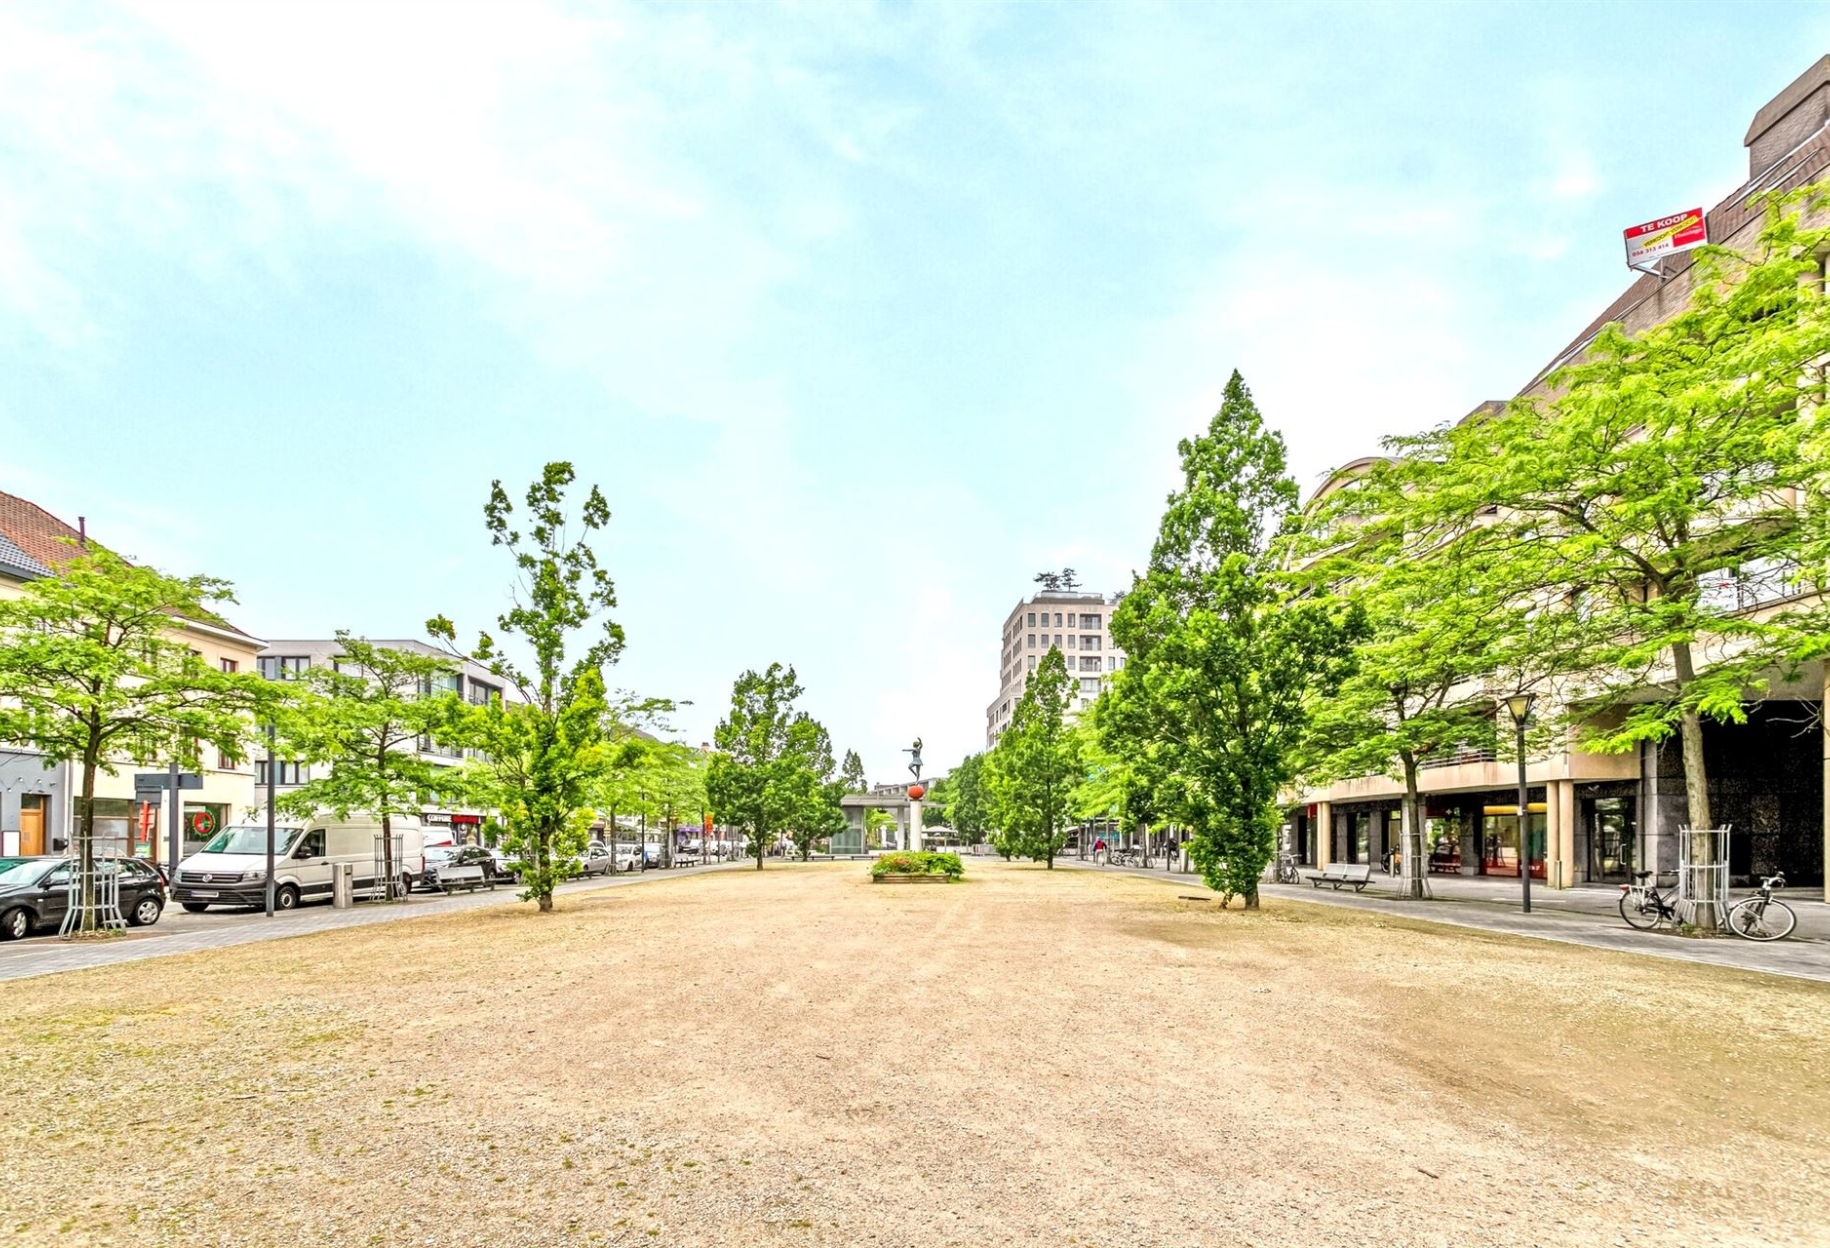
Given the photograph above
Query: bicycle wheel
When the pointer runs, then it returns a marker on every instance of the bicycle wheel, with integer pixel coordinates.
(1752, 921)
(1639, 911)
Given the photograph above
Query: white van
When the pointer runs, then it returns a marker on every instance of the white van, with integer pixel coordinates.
(231, 870)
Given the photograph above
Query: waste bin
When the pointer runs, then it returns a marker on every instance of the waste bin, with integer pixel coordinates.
(342, 885)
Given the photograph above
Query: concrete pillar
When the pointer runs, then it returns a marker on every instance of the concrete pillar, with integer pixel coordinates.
(1560, 833)
(1324, 828)
(914, 825)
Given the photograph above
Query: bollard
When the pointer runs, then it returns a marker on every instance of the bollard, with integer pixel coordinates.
(342, 885)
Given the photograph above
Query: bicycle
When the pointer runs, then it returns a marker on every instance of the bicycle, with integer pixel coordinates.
(1643, 906)
(1286, 870)
(1763, 916)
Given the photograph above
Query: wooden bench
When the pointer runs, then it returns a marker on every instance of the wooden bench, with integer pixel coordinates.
(1358, 874)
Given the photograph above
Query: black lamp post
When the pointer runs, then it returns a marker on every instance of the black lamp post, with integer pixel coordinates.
(1520, 706)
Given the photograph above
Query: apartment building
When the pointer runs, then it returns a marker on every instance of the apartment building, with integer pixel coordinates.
(37, 810)
(475, 683)
(1596, 818)
(1078, 624)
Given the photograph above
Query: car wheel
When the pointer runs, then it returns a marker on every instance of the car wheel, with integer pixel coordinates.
(195, 907)
(285, 897)
(145, 912)
(406, 885)
(15, 924)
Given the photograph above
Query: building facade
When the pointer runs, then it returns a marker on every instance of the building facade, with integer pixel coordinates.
(37, 806)
(1078, 625)
(467, 679)
(1598, 818)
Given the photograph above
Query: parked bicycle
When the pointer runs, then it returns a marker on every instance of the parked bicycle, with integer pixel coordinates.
(1643, 906)
(1286, 870)
(1763, 916)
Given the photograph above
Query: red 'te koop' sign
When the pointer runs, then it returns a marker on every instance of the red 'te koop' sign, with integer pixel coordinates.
(1678, 232)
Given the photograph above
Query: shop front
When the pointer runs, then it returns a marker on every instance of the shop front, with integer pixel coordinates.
(1500, 834)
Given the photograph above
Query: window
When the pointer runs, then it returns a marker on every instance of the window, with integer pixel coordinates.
(1057, 619)
(1032, 641)
(482, 694)
(1090, 664)
(1089, 621)
(1032, 619)
(1089, 685)
(1057, 641)
(284, 666)
(288, 773)
(226, 761)
(1032, 662)
(1754, 582)
(1089, 643)
(1111, 662)
(1070, 638)
(230, 665)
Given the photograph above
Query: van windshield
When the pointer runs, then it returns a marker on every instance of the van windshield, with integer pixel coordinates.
(250, 840)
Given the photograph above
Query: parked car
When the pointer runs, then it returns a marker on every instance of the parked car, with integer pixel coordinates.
(596, 860)
(231, 869)
(449, 866)
(35, 893)
(506, 868)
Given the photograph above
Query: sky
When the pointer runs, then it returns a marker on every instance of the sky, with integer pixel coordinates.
(860, 315)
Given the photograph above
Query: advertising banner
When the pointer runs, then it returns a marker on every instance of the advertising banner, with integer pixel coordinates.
(1666, 236)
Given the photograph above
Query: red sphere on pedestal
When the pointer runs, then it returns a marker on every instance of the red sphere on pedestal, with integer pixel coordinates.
(915, 792)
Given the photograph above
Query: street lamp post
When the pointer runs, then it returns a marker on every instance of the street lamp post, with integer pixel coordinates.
(641, 853)
(272, 766)
(1519, 704)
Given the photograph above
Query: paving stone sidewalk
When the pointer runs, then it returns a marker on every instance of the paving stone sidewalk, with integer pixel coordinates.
(184, 933)
(1588, 920)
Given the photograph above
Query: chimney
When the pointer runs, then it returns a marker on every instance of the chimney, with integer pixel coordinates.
(82, 532)
(1789, 118)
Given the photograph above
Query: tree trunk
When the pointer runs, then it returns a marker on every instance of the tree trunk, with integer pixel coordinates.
(387, 851)
(760, 845)
(1696, 782)
(1410, 835)
(543, 870)
(85, 835)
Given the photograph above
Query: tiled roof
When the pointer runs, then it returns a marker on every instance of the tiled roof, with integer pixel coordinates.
(1803, 165)
(16, 562)
(35, 531)
(47, 543)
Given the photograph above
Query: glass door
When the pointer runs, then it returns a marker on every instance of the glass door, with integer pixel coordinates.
(1610, 828)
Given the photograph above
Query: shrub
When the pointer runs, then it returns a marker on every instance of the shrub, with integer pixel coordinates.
(911, 863)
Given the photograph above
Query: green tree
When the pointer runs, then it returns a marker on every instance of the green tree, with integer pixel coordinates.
(967, 802)
(1659, 467)
(544, 757)
(1441, 635)
(1035, 766)
(761, 778)
(95, 671)
(366, 717)
(817, 815)
(1223, 662)
(851, 771)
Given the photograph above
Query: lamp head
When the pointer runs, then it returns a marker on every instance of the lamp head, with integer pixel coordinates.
(1520, 706)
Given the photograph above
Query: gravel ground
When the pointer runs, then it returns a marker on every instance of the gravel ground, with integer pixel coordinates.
(799, 1057)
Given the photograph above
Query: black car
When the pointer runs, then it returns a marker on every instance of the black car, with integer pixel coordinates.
(34, 893)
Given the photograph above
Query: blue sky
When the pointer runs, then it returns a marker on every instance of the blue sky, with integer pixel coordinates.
(860, 315)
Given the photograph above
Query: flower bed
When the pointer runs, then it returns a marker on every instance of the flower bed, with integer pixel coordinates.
(909, 867)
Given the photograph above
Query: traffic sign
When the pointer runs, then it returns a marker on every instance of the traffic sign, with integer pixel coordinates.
(202, 823)
(158, 781)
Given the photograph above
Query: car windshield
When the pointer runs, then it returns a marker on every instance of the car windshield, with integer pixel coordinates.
(25, 872)
(441, 851)
(251, 839)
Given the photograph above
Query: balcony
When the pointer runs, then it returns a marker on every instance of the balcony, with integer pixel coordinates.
(1457, 758)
